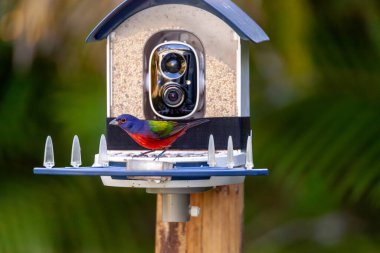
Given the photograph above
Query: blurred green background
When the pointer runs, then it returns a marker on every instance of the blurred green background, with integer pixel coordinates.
(316, 120)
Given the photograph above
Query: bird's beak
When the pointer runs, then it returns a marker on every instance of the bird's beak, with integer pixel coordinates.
(114, 122)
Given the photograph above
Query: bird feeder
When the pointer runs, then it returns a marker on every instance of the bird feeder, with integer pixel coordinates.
(176, 60)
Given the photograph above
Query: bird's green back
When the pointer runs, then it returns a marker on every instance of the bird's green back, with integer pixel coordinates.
(161, 128)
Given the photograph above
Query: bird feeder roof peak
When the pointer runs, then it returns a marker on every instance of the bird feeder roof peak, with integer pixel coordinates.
(226, 10)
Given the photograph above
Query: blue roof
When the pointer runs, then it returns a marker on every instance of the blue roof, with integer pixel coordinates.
(224, 9)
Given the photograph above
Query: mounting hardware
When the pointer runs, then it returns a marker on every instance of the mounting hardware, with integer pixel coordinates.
(194, 211)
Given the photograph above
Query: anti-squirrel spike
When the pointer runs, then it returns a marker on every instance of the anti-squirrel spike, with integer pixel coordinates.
(103, 157)
(76, 158)
(249, 154)
(49, 153)
(211, 152)
(230, 153)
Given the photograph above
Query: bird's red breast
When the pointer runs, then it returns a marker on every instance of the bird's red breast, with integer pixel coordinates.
(155, 144)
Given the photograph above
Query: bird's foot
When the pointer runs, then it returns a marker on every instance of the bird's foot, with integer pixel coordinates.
(139, 155)
(159, 155)
(143, 154)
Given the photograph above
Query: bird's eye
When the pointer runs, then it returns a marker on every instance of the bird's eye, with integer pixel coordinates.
(123, 120)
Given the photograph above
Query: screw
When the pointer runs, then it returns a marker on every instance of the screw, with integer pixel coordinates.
(194, 211)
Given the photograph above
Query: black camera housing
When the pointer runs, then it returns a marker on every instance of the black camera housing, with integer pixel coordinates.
(174, 77)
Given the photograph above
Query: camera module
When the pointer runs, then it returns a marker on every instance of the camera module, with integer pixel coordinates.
(174, 76)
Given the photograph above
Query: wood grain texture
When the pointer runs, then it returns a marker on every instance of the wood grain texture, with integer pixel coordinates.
(219, 228)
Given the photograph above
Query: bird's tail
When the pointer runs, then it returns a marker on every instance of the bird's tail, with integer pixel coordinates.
(196, 123)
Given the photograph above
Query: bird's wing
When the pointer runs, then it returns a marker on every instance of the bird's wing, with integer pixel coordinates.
(164, 129)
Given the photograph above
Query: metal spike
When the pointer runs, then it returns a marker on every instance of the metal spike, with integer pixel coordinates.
(249, 154)
(211, 152)
(230, 153)
(49, 153)
(76, 159)
(103, 157)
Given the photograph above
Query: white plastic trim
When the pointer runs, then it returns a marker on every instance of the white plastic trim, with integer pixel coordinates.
(109, 75)
(212, 182)
(186, 157)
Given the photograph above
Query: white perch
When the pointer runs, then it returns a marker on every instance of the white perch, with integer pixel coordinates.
(230, 153)
(103, 157)
(49, 153)
(76, 158)
(249, 154)
(211, 152)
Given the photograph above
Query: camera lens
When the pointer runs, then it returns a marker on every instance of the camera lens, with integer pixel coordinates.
(173, 95)
(173, 65)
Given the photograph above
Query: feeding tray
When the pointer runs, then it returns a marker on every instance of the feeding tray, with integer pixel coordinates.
(176, 169)
(175, 175)
(181, 177)
(182, 172)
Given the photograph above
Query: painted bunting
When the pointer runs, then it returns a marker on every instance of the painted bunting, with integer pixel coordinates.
(154, 134)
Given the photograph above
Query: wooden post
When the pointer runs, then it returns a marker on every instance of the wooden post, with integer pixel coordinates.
(219, 228)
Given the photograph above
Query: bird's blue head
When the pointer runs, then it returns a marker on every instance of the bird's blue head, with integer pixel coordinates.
(125, 121)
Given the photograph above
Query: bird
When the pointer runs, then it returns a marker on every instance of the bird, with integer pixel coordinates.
(154, 134)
